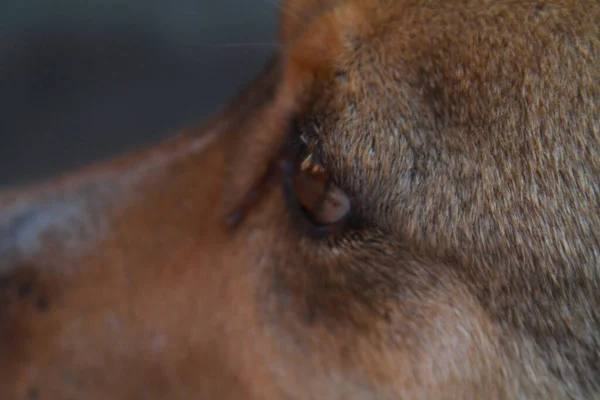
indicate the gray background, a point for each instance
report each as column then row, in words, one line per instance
column 83, row 80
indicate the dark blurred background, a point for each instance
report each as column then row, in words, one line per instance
column 83, row 80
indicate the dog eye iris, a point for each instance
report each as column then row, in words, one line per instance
column 326, row 203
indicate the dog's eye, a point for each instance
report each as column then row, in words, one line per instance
column 322, row 201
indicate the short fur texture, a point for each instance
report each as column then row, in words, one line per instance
column 467, row 136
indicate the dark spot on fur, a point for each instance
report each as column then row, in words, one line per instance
column 412, row 176
column 386, row 316
column 234, row 218
column 33, row 394
column 42, row 304
column 341, row 76
column 25, row 289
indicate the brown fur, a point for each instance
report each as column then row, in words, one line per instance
column 466, row 134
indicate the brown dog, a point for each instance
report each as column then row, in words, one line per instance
column 405, row 205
